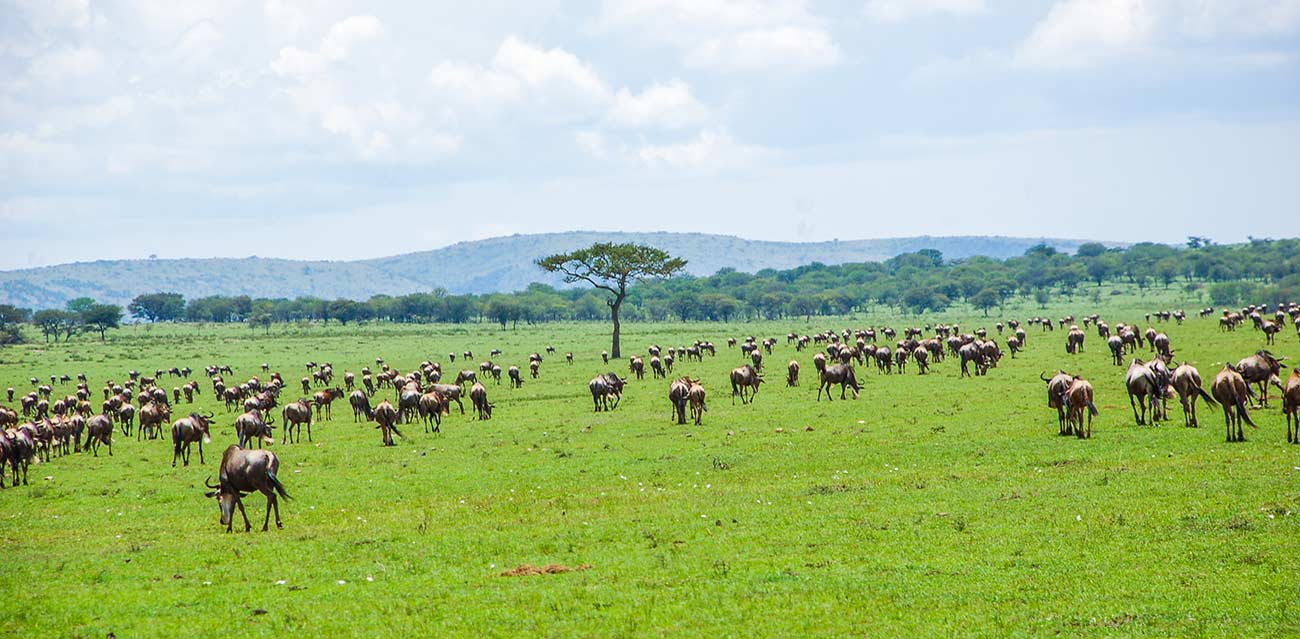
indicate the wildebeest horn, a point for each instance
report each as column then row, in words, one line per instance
column 1043, row 376
column 208, row 415
column 207, row 482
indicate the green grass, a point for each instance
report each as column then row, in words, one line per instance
column 931, row 506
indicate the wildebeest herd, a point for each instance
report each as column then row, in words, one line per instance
column 45, row 425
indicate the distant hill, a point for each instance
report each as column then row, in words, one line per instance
column 498, row 264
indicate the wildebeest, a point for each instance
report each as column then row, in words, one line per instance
column 152, row 417
column 971, row 352
column 679, row 392
column 478, row 396
column 323, row 400
column 841, row 374
column 742, row 379
column 698, row 407
column 386, row 418
column 431, row 407
column 1057, row 386
column 1262, row 368
column 466, row 376
column 360, row 403
column 251, row 427
column 295, row 414
column 186, row 431
column 602, row 386
column 1291, row 406
column 657, row 367
column 1078, row 398
column 1187, row 383
column 1146, row 387
column 516, row 380
column 243, row 472
column 636, row 366
column 792, row 374
column 1231, row 391
column 99, row 429
column 1074, row 340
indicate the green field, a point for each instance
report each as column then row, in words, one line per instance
column 931, row 506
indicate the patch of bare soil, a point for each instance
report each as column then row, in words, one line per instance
column 526, row 569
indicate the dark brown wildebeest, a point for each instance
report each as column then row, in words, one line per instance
column 568, row 357
column 1262, row 368
column 1056, row 389
column 1231, row 391
column 516, row 380
column 1074, row 340
column 1146, row 386
column 408, row 403
column 478, row 397
column 742, row 379
column 126, row 417
column 534, row 365
column 323, row 400
column 1116, row 346
column 657, row 367
column 792, row 374
column 841, row 374
column 1013, row 345
column 466, row 376
column 971, row 352
column 386, row 418
column 1078, row 398
column 431, row 407
column 250, row 427
column 99, row 430
column 1160, row 343
column 679, row 392
column 757, row 358
column 636, row 367
column 884, row 360
column 152, row 417
column 698, row 407
column 1291, row 406
column 602, row 386
column 243, row 472
column 360, row 405
column 1187, row 383
column 450, row 393
column 496, row 373
column 295, row 414
column 186, row 431
column 922, row 358
column 349, row 380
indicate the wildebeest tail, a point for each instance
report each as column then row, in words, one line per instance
column 1092, row 409
column 1206, row 396
column 275, row 483
column 1243, row 413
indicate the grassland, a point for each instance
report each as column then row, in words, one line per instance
column 932, row 506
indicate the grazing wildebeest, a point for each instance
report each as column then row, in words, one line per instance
column 757, row 358
column 679, row 392
column 242, row 472
column 466, row 376
column 360, row 403
column 841, row 374
column 1078, row 397
column 431, row 407
column 20, row 448
column 99, row 429
column 386, row 418
column 533, row 366
column 636, row 366
column 250, row 427
column 657, row 367
column 408, row 403
column 152, row 417
column 568, row 357
column 884, row 360
column 698, row 407
column 1116, row 346
column 1231, row 391
column 126, row 417
column 1056, row 389
column 1146, row 387
column 1187, row 383
column 1160, row 343
column 516, row 380
column 1262, row 368
column 922, row 357
column 742, row 379
column 602, row 386
column 295, row 414
column 496, row 373
column 604, row 356
column 792, row 374
column 478, row 396
column 450, row 393
column 323, row 400
column 972, row 352
column 1291, row 406
column 186, row 431
column 1074, row 340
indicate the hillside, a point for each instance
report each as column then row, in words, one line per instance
column 483, row 266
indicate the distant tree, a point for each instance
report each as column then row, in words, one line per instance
column 1090, row 249
column 504, row 309
column 50, row 322
column 1167, row 270
column 986, row 299
column 262, row 320
column 1194, row 242
column 11, row 320
column 1042, row 296
column 345, row 311
column 80, row 304
column 102, row 317
column 611, row 267
column 158, row 307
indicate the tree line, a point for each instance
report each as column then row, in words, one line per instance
column 1258, row 271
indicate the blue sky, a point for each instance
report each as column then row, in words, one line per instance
column 340, row 130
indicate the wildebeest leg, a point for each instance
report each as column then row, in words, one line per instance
column 266, row 522
column 275, row 503
column 240, row 502
column 110, row 447
column 308, row 431
column 201, row 462
column 1133, row 404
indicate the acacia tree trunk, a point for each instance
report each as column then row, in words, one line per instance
column 613, row 315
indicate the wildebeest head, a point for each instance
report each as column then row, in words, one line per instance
column 225, row 500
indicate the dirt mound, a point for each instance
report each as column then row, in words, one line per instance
column 527, row 569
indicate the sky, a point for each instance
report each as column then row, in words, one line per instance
column 342, row 130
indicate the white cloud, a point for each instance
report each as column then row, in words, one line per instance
column 555, row 67
column 901, row 10
column 284, row 18
column 65, row 63
column 710, row 150
column 790, row 48
column 348, row 33
column 728, row 35
column 1084, row 33
column 668, row 106
column 593, row 142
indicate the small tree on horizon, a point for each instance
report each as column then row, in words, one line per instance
column 611, row 268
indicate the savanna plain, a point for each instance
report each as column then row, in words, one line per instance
column 931, row 506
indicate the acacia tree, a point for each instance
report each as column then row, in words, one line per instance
column 611, row 268
column 102, row 317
